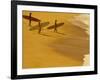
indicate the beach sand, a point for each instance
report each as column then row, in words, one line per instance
column 65, row 48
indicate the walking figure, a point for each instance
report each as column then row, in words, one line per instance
column 39, row 28
column 55, row 27
column 30, row 19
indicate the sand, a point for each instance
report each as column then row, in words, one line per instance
column 65, row 48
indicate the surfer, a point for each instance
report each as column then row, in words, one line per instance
column 30, row 19
column 39, row 28
column 55, row 27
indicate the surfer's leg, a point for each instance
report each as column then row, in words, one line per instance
column 30, row 19
column 39, row 28
column 55, row 29
column 30, row 22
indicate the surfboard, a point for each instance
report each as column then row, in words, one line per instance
column 44, row 24
column 58, row 25
column 32, row 18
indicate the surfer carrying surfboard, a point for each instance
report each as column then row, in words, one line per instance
column 39, row 28
column 55, row 27
column 30, row 19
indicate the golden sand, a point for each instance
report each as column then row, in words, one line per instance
column 49, row 49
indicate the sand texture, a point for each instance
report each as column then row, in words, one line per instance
column 66, row 47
